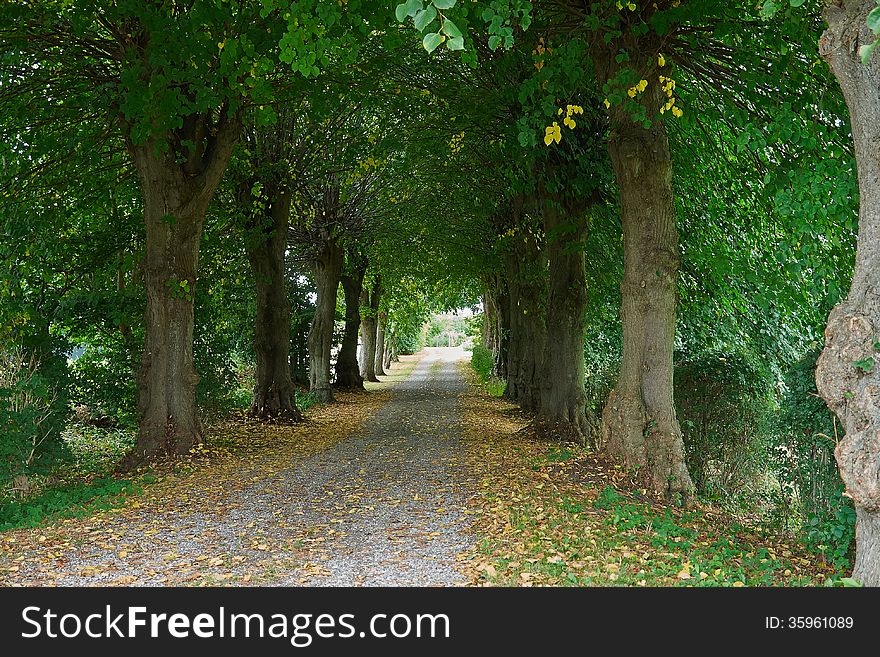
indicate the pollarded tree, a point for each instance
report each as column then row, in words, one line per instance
column 371, row 295
column 846, row 375
column 348, row 374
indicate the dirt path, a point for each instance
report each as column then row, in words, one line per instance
column 337, row 501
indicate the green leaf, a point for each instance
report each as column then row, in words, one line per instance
column 769, row 9
column 455, row 43
column 431, row 41
column 866, row 51
column 494, row 42
column 413, row 7
column 451, row 29
column 444, row 4
column 425, row 17
column 796, row 3
column 874, row 20
column 850, row 582
column 400, row 12
column 865, row 365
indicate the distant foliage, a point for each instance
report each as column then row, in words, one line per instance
column 409, row 342
column 805, row 437
column 105, row 381
column 724, row 404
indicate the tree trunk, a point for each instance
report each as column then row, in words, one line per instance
column 388, row 351
column 273, row 386
column 328, row 270
column 562, row 411
column 370, row 305
column 502, row 317
column 640, row 428
column 854, row 325
column 526, row 267
column 177, row 193
column 348, row 375
column 380, row 343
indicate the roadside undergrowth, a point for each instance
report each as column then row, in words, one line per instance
column 550, row 514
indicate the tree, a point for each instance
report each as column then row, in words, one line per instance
column 846, row 376
column 348, row 374
column 370, row 298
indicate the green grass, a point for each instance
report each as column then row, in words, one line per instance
column 80, row 484
column 68, row 501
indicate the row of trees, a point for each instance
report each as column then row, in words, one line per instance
column 528, row 153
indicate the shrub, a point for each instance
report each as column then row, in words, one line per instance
column 724, row 404
column 32, row 414
column 483, row 363
column 105, row 380
column 804, row 436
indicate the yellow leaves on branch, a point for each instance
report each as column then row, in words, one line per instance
column 539, row 51
column 553, row 133
column 632, row 92
column 629, row 5
column 668, row 87
column 455, row 142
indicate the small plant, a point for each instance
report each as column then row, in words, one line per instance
column 866, row 365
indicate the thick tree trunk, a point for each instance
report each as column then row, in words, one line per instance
column 562, row 411
column 489, row 335
column 640, row 428
column 380, row 343
column 273, row 386
column 854, row 325
column 348, row 375
column 176, row 197
column 369, row 328
column 388, row 351
column 328, row 270
column 527, row 282
column 368, row 348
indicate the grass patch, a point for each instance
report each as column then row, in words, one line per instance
column 79, row 485
column 68, row 501
column 397, row 372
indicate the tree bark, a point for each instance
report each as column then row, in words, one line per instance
column 502, row 317
column 562, row 410
column 388, row 351
column 854, row 325
column 273, row 387
column 348, row 375
column 177, row 191
column 380, row 343
column 640, row 428
column 527, row 283
column 370, row 306
column 328, row 271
